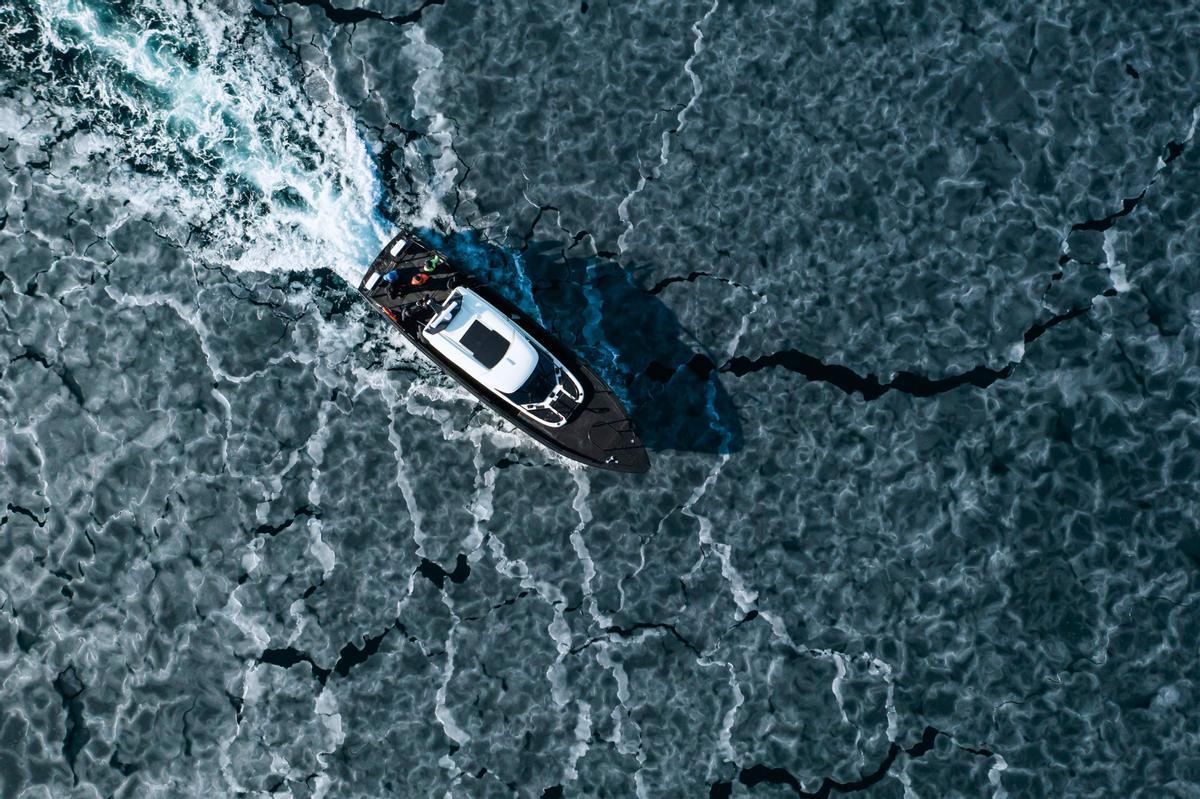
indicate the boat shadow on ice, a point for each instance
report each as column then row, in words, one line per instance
column 624, row 332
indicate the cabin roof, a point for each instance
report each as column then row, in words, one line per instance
column 485, row 344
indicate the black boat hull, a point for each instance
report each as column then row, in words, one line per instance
column 599, row 433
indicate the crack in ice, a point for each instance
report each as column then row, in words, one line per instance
column 680, row 120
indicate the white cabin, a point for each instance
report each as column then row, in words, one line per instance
column 482, row 342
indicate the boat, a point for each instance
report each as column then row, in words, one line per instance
column 500, row 355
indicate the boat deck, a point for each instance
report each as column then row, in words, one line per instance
column 600, row 433
column 414, row 304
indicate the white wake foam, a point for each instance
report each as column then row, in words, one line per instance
column 197, row 122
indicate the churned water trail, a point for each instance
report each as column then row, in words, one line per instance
column 196, row 122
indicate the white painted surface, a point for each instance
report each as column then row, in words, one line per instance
column 513, row 369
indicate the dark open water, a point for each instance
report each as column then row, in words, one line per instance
column 905, row 300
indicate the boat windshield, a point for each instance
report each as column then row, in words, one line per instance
column 538, row 385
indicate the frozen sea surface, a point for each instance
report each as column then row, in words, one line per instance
column 905, row 300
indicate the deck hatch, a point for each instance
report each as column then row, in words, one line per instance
column 485, row 344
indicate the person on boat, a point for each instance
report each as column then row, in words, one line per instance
column 420, row 311
column 392, row 279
